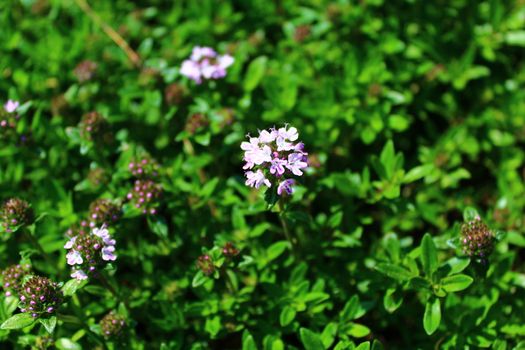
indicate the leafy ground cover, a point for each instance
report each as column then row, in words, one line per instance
column 262, row 174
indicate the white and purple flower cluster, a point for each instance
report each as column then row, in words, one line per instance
column 205, row 64
column 274, row 156
column 89, row 251
column 10, row 106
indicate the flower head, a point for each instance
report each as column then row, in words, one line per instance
column 40, row 296
column 205, row 264
column 85, row 70
column 16, row 212
column 112, row 325
column 273, row 157
column 11, row 106
column 229, row 250
column 104, row 211
column 205, row 64
column 87, row 252
column 144, row 167
column 12, row 277
column 94, row 127
column 145, row 195
column 477, row 239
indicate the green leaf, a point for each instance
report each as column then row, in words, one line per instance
column 311, row 340
column 418, row 172
column 350, row 310
column 49, row 323
column 392, row 300
column 456, row 283
column 376, row 345
column 470, row 214
column 18, row 321
column 432, row 316
column 71, row 286
column 255, row 73
column 428, row 255
column 357, row 330
column 67, row 344
column 364, row 346
column 394, row 271
column 287, row 315
column 248, row 343
column 276, row 249
column 158, row 225
column 272, row 342
column 328, row 335
column 199, row 279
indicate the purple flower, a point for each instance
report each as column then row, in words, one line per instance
column 257, row 179
column 90, row 250
column 205, row 63
column 296, row 163
column 79, row 275
column 11, row 106
column 273, row 154
column 286, row 186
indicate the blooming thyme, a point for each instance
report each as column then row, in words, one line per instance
column 229, row 250
column 205, row 264
column 272, row 157
column 85, row 70
column 103, row 211
column 94, row 126
column 12, row 277
column 477, row 239
column 112, row 325
column 8, row 119
column 144, row 167
column 88, row 252
column 145, row 195
column 40, row 296
column 205, row 63
column 16, row 212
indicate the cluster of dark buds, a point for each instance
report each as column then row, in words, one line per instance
column 145, row 195
column 174, row 94
column 16, row 212
column 40, row 296
column 104, row 211
column 78, row 229
column 195, row 122
column 205, row 264
column 94, row 127
column 88, row 252
column 85, row 70
column 112, row 325
column 477, row 239
column 144, row 168
column 229, row 250
column 12, row 277
column 98, row 176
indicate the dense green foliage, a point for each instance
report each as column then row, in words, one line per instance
column 413, row 114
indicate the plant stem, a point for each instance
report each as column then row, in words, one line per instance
column 117, row 39
column 284, row 225
column 38, row 247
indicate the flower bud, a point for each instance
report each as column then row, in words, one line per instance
column 104, row 211
column 205, row 264
column 12, row 278
column 477, row 239
column 15, row 213
column 94, row 127
column 112, row 325
column 174, row 94
column 145, row 196
column 98, row 176
column 229, row 250
column 40, row 296
column 85, row 70
column 195, row 122
column 145, row 167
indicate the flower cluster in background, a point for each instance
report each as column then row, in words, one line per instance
column 12, row 277
column 89, row 251
column 112, row 325
column 104, row 212
column 8, row 119
column 273, row 158
column 145, row 196
column 40, row 296
column 16, row 212
column 205, row 64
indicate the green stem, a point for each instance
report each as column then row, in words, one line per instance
column 38, row 247
column 284, row 225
